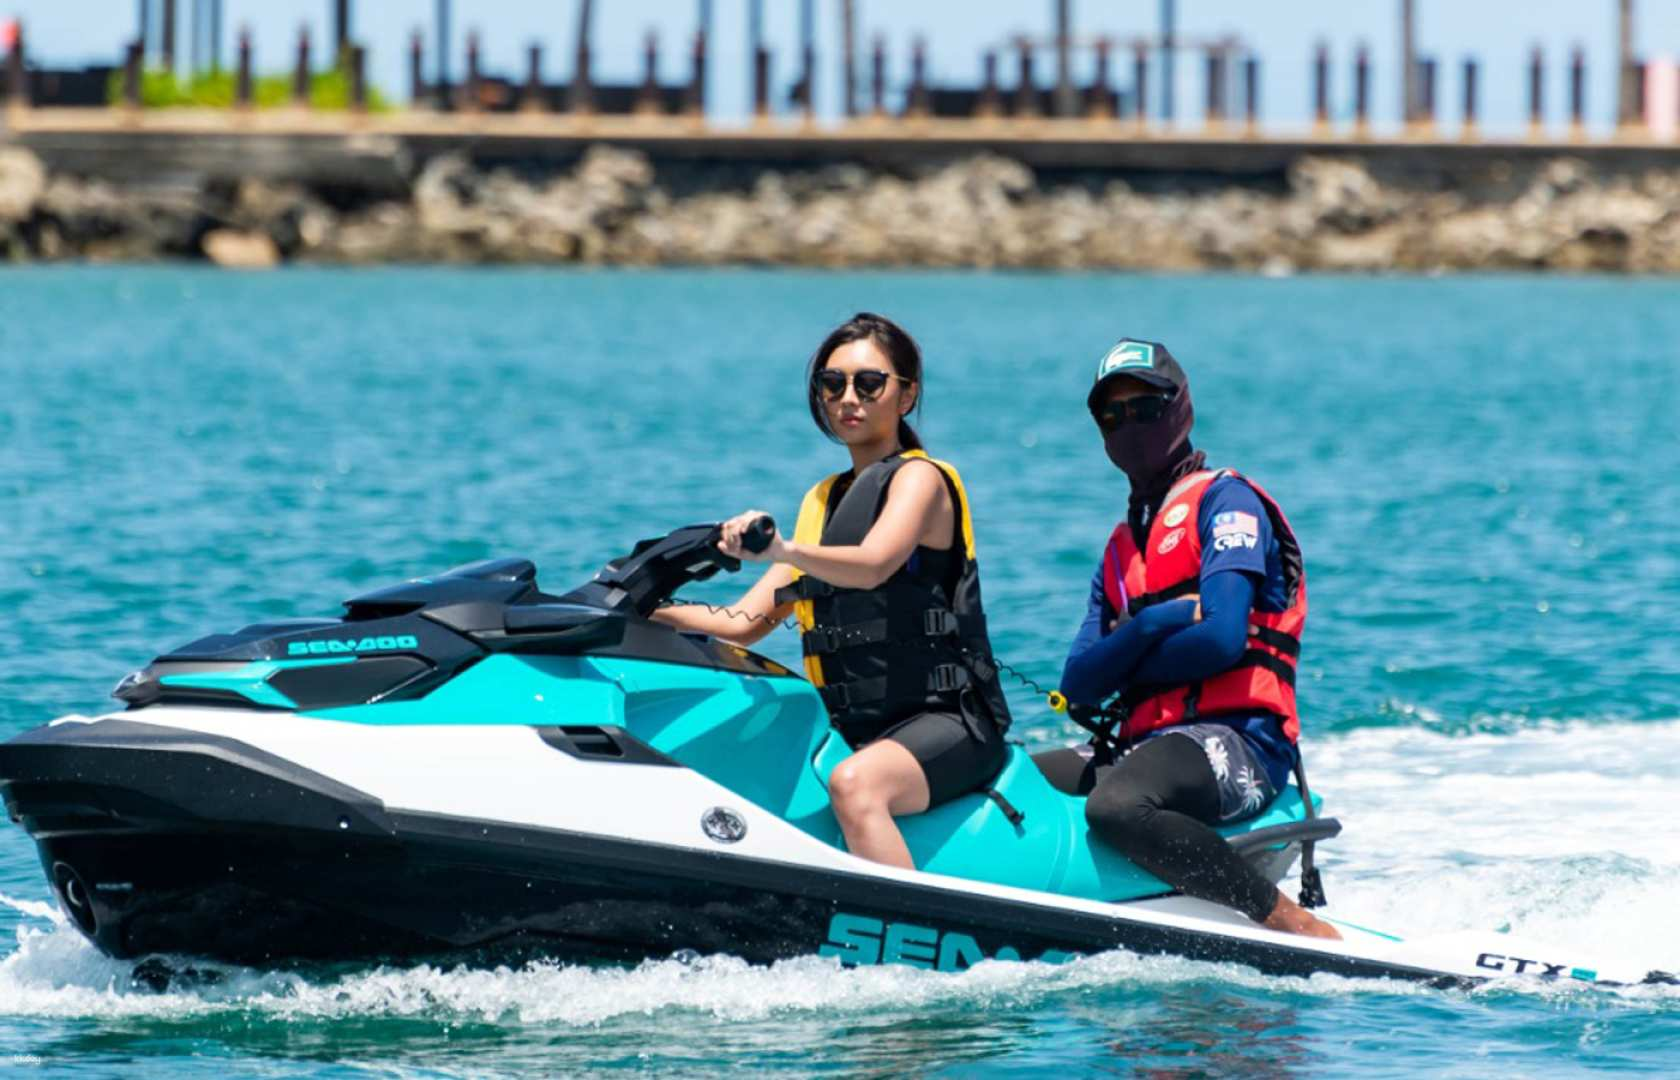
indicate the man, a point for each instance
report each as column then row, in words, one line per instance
column 1195, row 618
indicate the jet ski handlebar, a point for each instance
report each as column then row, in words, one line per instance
column 655, row 569
column 759, row 534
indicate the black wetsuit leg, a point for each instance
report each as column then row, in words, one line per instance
column 1154, row 807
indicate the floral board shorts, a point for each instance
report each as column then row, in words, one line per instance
column 1244, row 788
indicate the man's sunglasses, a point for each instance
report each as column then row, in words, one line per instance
column 1138, row 410
column 870, row 383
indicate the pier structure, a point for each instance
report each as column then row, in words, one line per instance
column 899, row 98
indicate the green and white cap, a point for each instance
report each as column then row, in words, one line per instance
column 1145, row 361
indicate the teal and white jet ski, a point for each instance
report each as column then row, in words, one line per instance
column 464, row 764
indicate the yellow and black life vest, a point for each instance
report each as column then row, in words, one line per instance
column 916, row 642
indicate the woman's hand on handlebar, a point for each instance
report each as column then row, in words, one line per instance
column 729, row 542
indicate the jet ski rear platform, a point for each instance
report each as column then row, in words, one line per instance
column 465, row 763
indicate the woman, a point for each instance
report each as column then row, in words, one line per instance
column 882, row 577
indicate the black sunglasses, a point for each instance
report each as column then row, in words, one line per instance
column 1138, row 410
column 869, row 382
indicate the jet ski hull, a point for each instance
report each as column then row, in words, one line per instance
column 165, row 841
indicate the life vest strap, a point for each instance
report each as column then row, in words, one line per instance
column 936, row 622
column 943, row 678
column 804, row 588
column 1187, row 587
column 1283, row 669
column 820, row 640
column 1288, row 644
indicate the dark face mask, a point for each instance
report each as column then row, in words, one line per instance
column 1150, row 453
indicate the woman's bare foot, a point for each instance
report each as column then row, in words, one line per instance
column 1292, row 918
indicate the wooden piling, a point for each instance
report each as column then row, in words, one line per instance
column 581, row 100
column 1362, row 93
column 1427, row 70
column 471, row 90
column 1578, row 94
column 1469, row 130
column 917, row 103
column 1140, row 85
column 989, row 104
column 441, row 13
column 532, row 100
column 1064, row 104
column 695, row 105
column 1100, row 104
column 1321, row 90
column 1214, row 66
column 243, row 88
column 132, row 63
column 1251, row 95
column 215, row 37
column 356, row 56
column 341, row 31
column 1537, row 94
column 848, row 62
column 1636, row 124
column 1026, row 92
column 1627, row 93
column 166, row 36
column 1409, row 95
column 878, row 77
column 761, row 82
column 416, row 69
column 301, row 70
column 648, row 102
column 805, row 94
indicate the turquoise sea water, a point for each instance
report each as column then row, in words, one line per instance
column 1482, row 472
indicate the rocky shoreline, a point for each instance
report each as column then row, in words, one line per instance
column 615, row 208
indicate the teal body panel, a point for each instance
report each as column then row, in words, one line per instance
column 251, row 680
column 768, row 740
column 754, row 735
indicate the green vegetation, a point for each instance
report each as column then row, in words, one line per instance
column 328, row 90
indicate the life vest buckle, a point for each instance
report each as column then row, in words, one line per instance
column 819, row 640
column 946, row 677
column 939, row 622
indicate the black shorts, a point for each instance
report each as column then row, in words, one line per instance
column 956, row 755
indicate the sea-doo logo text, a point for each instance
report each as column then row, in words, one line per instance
column 1518, row 966
column 858, row 939
column 723, row 825
column 333, row 646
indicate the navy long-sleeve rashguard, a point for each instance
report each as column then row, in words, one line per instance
column 1242, row 568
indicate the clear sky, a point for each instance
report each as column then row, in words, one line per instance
column 1282, row 32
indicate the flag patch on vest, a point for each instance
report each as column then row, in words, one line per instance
column 1235, row 529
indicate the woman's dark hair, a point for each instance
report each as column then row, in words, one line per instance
column 900, row 349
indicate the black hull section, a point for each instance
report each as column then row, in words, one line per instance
column 163, row 842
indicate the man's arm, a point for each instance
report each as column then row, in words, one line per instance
column 1101, row 664
column 1235, row 535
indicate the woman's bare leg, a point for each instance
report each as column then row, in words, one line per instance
column 869, row 789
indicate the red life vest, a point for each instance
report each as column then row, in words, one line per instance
column 1264, row 679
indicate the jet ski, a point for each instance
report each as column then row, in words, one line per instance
column 465, row 763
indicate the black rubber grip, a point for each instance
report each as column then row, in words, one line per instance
column 757, row 537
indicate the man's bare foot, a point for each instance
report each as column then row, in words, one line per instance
column 1292, row 918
